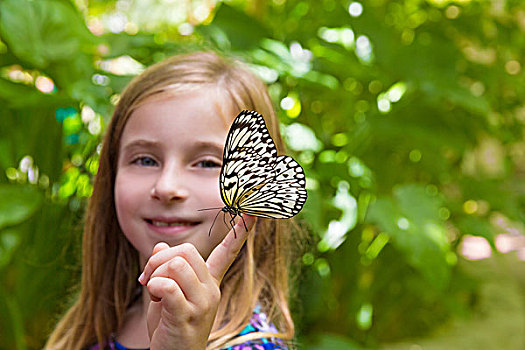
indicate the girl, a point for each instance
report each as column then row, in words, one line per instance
column 159, row 164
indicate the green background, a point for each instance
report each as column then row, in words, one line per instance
column 407, row 115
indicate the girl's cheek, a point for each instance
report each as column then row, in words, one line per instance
column 208, row 190
column 130, row 190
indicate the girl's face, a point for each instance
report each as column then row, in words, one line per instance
column 169, row 163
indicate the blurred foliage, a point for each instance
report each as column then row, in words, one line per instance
column 407, row 116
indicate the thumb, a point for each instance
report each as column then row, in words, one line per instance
column 153, row 316
column 225, row 253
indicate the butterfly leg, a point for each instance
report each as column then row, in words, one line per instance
column 232, row 223
column 232, row 217
column 224, row 218
column 244, row 222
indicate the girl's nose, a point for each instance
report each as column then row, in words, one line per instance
column 169, row 187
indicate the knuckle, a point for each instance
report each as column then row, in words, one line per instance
column 209, row 300
column 186, row 246
column 187, row 249
column 215, row 295
column 170, row 287
column 177, row 264
column 155, row 260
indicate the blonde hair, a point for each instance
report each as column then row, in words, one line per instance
column 259, row 275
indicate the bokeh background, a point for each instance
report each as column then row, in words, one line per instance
column 407, row 115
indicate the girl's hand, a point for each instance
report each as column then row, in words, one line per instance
column 185, row 292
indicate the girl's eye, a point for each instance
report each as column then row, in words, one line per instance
column 145, row 161
column 208, row 164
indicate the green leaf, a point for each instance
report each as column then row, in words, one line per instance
column 12, row 322
column 234, row 28
column 411, row 217
column 41, row 32
column 334, row 342
column 477, row 226
column 17, row 204
column 9, row 241
column 419, row 206
column 18, row 96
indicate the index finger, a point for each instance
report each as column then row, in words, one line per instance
column 225, row 253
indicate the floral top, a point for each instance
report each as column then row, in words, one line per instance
column 258, row 323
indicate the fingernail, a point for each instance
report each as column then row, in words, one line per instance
column 141, row 278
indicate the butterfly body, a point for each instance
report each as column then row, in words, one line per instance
column 254, row 180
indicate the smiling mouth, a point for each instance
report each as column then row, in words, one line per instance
column 170, row 224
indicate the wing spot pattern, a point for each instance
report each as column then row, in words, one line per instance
column 254, row 179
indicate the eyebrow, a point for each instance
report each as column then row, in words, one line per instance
column 206, row 145
column 140, row 143
column 198, row 145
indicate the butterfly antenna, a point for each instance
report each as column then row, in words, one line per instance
column 209, row 233
column 208, row 209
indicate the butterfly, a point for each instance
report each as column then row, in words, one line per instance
column 254, row 180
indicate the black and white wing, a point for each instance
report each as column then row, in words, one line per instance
column 254, row 180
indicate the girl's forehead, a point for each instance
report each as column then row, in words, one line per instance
column 223, row 104
column 192, row 116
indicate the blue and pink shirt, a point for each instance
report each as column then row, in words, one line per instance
column 258, row 323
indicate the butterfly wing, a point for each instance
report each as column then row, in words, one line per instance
column 281, row 195
column 253, row 178
column 248, row 156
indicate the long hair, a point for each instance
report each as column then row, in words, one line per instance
column 110, row 264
